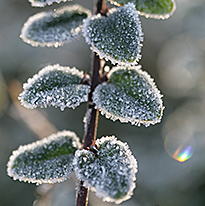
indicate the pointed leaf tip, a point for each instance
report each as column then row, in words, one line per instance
column 54, row 28
column 111, row 173
column 56, row 86
column 49, row 160
column 160, row 9
column 117, row 37
column 130, row 96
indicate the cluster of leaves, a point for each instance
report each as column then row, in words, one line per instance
column 110, row 172
column 128, row 94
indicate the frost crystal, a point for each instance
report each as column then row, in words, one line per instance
column 160, row 9
column 117, row 37
column 111, row 173
column 49, row 160
column 42, row 3
column 130, row 96
column 54, row 28
column 56, row 86
column 86, row 120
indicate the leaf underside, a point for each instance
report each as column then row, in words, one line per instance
column 158, row 9
column 111, row 173
column 130, row 96
column 54, row 28
column 117, row 37
column 49, row 160
column 55, row 86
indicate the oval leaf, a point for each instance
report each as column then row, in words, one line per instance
column 157, row 9
column 111, row 173
column 54, row 28
column 55, row 86
column 117, row 37
column 130, row 96
column 49, row 160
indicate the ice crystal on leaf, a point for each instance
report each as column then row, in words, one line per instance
column 49, row 160
column 116, row 37
column 55, row 86
column 42, row 3
column 54, row 28
column 130, row 95
column 111, row 173
column 160, row 9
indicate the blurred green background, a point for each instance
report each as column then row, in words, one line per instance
column 173, row 54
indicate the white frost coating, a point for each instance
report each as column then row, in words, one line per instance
column 56, row 86
column 118, row 37
column 154, row 16
column 48, row 170
column 49, row 29
column 136, row 100
column 111, row 173
column 86, row 119
column 43, row 3
column 157, row 16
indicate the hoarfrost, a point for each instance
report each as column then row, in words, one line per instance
column 151, row 8
column 54, row 28
column 130, row 96
column 42, row 3
column 111, row 173
column 117, row 37
column 55, row 86
column 86, row 119
column 49, row 160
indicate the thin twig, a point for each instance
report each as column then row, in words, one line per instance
column 92, row 121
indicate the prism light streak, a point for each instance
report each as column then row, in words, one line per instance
column 182, row 155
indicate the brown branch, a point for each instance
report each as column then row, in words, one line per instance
column 91, row 124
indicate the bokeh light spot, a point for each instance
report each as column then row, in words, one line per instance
column 180, row 145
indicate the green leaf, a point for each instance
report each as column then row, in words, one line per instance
column 130, row 96
column 117, row 37
column 55, row 86
column 111, row 173
column 42, row 3
column 158, row 9
column 54, row 28
column 49, row 160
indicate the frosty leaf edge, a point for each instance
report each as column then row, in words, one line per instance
column 132, row 57
column 46, row 166
column 112, row 87
column 54, row 39
column 43, row 3
column 74, row 92
column 149, row 14
column 110, row 151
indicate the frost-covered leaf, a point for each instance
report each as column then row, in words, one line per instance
column 117, row 37
column 130, row 95
column 42, row 3
column 55, row 86
column 158, row 9
column 111, row 173
column 54, row 28
column 49, row 160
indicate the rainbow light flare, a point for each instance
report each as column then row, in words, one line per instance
column 180, row 145
column 182, row 155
